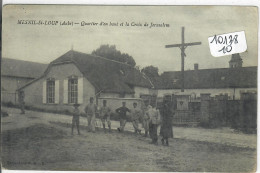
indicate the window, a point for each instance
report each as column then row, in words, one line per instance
column 193, row 96
column 73, row 90
column 50, row 91
column 174, row 81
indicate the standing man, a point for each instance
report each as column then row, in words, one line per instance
column 105, row 112
column 75, row 118
column 153, row 124
column 21, row 101
column 135, row 115
column 90, row 110
column 122, row 114
column 146, row 120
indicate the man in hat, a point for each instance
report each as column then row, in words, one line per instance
column 105, row 112
column 91, row 110
column 122, row 114
column 75, row 118
column 135, row 115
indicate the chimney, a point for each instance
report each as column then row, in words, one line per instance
column 196, row 66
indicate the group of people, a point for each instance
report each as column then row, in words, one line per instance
column 150, row 117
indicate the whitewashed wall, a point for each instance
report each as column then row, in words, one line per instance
column 35, row 91
column 140, row 90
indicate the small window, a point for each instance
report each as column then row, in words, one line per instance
column 50, row 91
column 73, row 90
column 174, row 81
column 193, row 96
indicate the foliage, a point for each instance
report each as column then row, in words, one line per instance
column 151, row 71
column 4, row 114
column 110, row 52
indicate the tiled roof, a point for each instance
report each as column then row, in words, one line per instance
column 106, row 75
column 243, row 77
column 19, row 68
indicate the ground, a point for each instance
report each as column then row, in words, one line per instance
column 42, row 141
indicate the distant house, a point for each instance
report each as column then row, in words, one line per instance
column 75, row 77
column 220, row 81
column 15, row 74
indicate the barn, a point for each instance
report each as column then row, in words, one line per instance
column 75, row 77
column 15, row 74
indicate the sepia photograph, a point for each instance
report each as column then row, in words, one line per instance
column 136, row 88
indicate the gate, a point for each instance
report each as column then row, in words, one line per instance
column 186, row 111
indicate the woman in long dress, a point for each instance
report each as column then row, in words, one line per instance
column 166, row 122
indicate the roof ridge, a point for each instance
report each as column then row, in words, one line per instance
column 103, row 58
column 24, row 61
column 210, row 69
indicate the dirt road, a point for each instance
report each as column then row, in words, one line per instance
column 43, row 141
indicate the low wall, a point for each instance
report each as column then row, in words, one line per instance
column 115, row 103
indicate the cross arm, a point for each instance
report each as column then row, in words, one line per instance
column 173, row 45
column 184, row 45
column 192, row 44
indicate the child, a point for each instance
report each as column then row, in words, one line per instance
column 75, row 119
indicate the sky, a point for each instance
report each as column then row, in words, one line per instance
column 44, row 43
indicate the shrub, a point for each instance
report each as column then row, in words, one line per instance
column 67, row 112
column 9, row 104
column 4, row 114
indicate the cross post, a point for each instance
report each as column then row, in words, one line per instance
column 182, row 46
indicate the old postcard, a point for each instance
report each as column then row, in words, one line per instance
column 129, row 88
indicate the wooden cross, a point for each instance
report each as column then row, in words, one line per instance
column 182, row 46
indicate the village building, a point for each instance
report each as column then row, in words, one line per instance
column 75, row 77
column 15, row 74
column 220, row 81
